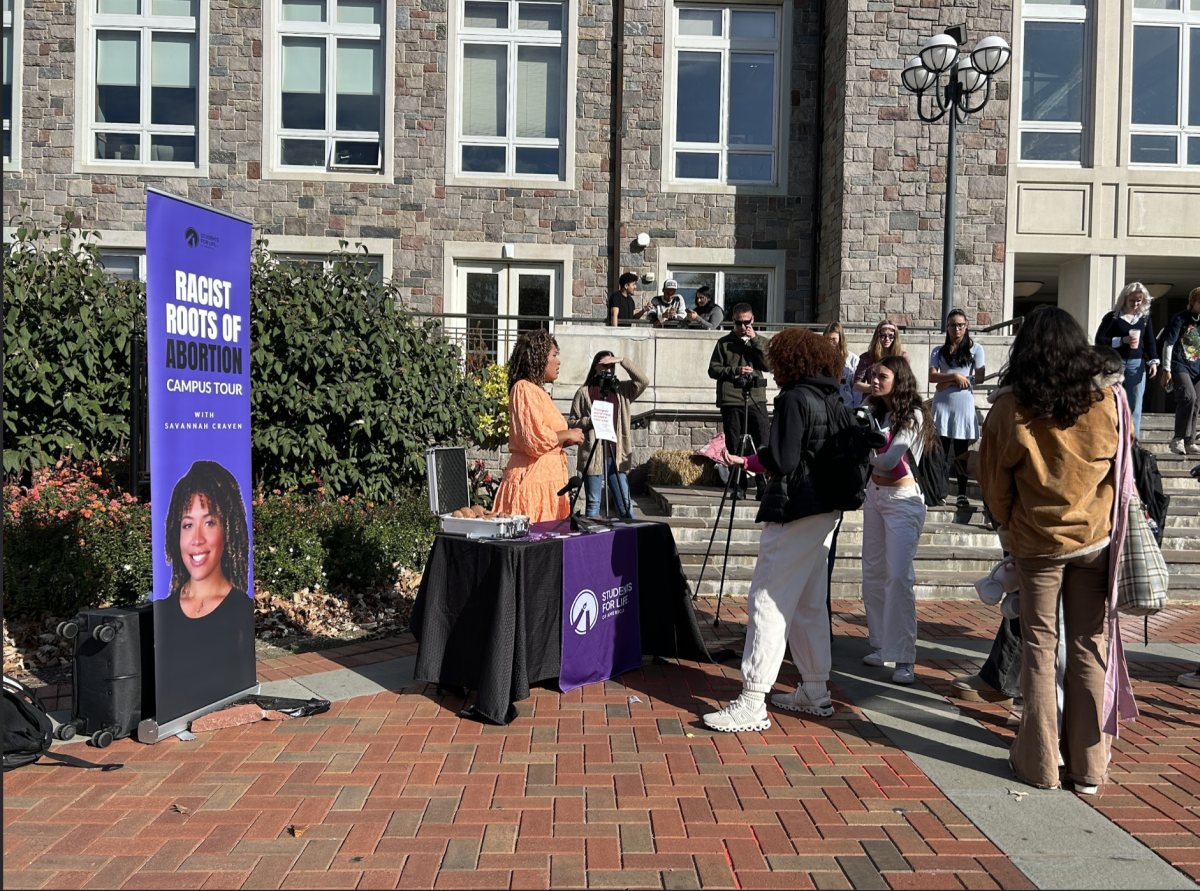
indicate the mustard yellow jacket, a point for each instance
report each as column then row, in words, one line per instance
column 1051, row 487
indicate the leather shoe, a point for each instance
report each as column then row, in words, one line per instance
column 973, row 688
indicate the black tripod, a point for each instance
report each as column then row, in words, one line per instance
column 577, row 484
column 732, row 483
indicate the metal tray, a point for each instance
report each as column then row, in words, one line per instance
column 506, row 527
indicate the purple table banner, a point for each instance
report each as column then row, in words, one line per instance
column 198, row 345
column 601, row 625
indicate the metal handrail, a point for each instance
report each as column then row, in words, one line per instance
column 1015, row 322
column 639, row 323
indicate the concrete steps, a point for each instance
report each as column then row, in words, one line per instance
column 955, row 549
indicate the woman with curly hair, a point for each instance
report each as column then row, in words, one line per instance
column 1048, row 461
column 787, row 600
column 537, row 434
column 884, row 342
column 893, row 517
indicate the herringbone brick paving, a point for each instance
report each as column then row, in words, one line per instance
column 584, row 789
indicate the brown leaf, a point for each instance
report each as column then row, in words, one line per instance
column 298, row 829
column 179, row 809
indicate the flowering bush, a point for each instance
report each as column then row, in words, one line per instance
column 483, row 487
column 493, row 421
column 73, row 541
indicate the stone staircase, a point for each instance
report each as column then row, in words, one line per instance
column 955, row 550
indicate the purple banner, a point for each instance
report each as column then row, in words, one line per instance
column 601, row 628
column 198, row 344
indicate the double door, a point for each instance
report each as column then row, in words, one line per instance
column 501, row 301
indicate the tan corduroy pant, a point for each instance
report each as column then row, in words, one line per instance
column 1084, row 586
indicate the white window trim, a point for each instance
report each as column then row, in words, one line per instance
column 454, row 110
column 272, row 76
column 782, row 110
column 691, row 258
column 320, row 245
column 1183, row 20
column 17, row 24
column 561, row 256
column 1038, row 12
column 85, row 99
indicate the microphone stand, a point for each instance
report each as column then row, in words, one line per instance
column 575, row 496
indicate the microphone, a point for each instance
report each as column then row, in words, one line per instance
column 572, row 484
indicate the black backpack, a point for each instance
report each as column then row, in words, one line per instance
column 840, row 467
column 932, row 473
column 28, row 730
column 1150, row 488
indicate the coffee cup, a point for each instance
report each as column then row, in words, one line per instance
column 1135, row 336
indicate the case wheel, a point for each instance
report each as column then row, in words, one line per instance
column 68, row 629
column 104, row 633
column 102, row 739
column 65, row 732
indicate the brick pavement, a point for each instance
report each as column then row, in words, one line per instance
column 585, row 788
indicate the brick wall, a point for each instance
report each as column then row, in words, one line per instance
column 882, row 235
column 418, row 211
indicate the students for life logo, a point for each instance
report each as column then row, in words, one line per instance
column 585, row 610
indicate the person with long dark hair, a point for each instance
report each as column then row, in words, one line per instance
column 1048, row 470
column 537, row 434
column 786, row 604
column 1181, row 360
column 619, row 462
column 893, row 517
column 956, row 367
column 207, row 539
column 1129, row 331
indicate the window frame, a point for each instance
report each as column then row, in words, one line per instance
column 719, row 271
column 457, row 36
column 274, row 30
column 674, row 45
column 1185, row 21
column 14, row 20
column 88, row 23
column 1031, row 11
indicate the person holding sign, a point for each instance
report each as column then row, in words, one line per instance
column 601, row 409
column 537, row 434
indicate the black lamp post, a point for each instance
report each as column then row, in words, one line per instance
column 968, row 75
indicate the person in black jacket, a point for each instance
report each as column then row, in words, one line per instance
column 787, row 596
column 1129, row 331
column 740, row 353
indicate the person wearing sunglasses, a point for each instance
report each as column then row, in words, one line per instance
column 884, row 342
column 742, row 352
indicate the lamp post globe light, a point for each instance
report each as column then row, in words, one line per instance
column 956, row 97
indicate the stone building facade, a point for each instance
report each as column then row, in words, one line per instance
column 857, row 178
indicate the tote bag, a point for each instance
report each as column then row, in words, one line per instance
column 1142, row 573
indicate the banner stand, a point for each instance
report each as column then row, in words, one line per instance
column 150, row 731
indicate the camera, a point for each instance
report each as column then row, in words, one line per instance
column 607, row 381
column 748, row 381
column 866, row 419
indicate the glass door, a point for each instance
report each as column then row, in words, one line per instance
column 491, row 295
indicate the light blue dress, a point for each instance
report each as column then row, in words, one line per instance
column 954, row 413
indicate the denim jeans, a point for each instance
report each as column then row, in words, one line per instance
column 618, row 493
column 1135, row 386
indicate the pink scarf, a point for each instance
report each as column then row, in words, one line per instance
column 1119, row 703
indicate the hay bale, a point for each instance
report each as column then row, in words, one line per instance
column 679, row 467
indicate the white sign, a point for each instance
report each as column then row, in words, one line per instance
column 602, row 421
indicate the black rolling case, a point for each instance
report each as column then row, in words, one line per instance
column 112, row 685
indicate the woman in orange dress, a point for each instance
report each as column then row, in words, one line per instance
column 537, row 434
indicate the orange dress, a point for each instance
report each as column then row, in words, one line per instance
column 537, row 466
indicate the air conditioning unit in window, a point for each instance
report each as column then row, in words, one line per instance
column 359, row 157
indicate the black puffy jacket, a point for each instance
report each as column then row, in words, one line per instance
column 799, row 429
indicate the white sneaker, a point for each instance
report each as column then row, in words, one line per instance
column 904, row 673
column 875, row 660
column 1190, row 679
column 741, row 714
column 1177, row 447
column 1193, row 448
column 799, row 701
column 1085, row 789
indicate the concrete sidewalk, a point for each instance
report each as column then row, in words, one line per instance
column 619, row 785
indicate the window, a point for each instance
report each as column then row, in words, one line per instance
column 730, row 286
column 487, row 293
column 725, row 121
column 124, row 265
column 1054, row 62
column 12, row 52
column 1165, row 108
column 144, row 90
column 330, row 108
column 512, row 90
column 326, row 262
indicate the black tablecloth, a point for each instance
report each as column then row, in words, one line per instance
column 488, row 615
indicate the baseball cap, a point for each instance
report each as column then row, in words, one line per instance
column 672, row 284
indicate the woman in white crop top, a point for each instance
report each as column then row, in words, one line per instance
column 893, row 517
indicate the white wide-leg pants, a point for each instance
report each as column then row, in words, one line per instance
column 893, row 517
column 787, row 602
